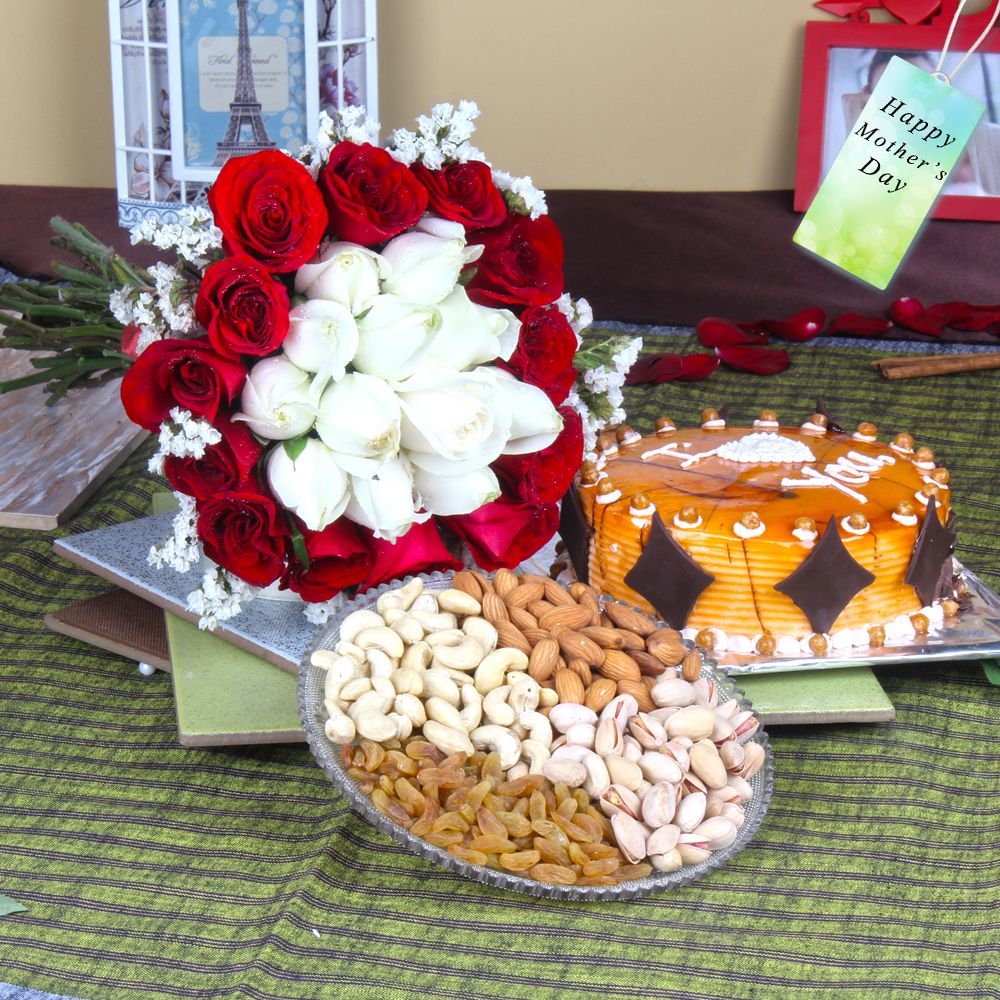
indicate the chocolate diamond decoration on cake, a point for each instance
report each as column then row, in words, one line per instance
column 826, row 580
column 574, row 532
column 931, row 559
column 831, row 423
column 667, row 576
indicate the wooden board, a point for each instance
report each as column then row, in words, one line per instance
column 119, row 622
column 52, row 458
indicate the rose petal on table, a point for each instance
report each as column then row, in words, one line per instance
column 758, row 360
column 715, row 332
column 977, row 318
column 671, row 368
column 910, row 313
column 859, row 324
column 803, row 325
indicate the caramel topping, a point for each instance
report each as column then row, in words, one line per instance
column 640, row 501
column 904, row 441
column 644, row 533
column 904, row 508
column 709, row 414
column 605, row 486
column 858, row 521
column 867, row 429
column 921, row 623
column 766, row 644
column 588, row 474
column 705, row 640
column 623, row 432
column 751, row 520
column 923, row 454
column 819, row 420
column 949, row 607
column 805, row 524
column 818, row 644
column 665, row 424
column 689, row 514
column 768, row 415
column 876, row 635
column 941, row 475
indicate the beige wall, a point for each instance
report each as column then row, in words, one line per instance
column 633, row 94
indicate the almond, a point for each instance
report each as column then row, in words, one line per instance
column 582, row 670
column 691, row 665
column 485, row 584
column 468, row 584
column 569, row 687
column 524, row 595
column 521, row 618
column 538, row 608
column 619, row 666
column 579, row 646
column 573, row 617
column 578, row 590
column 629, row 618
column 640, row 692
column 648, row 664
column 556, row 594
column 533, row 578
column 511, row 635
column 504, row 582
column 544, row 659
column 536, row 635
column 613, row 638
column 666, row 645
column 600, row 693
column 494, row 609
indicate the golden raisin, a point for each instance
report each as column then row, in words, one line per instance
column 818, row 644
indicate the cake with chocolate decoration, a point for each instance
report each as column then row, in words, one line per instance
column 787, row 540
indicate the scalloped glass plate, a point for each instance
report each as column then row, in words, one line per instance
column 313, row 715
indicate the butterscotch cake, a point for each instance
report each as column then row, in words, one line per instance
column 769, row 539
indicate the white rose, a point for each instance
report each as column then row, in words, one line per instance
column 359, row 420
column 471, row 334
column 426, row 260
column 322, row 338
column 448, row 495
column 385, row 502
column 534, row 421
column 277, row 401
column 452, row 424
column 344, row 273
column 313, row 486
column 395, row 336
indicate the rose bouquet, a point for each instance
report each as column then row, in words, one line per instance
column 362, row 366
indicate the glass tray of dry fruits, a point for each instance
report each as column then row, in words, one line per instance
column 532, row 737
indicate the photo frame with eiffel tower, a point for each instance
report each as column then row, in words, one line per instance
column 198, row 81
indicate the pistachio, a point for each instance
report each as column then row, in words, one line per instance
column 718, row 831
column 691, row 811
column 706, row 763
column 630, row 835
column 663, row 840
column 659, row 804
column 696, row 722
column 676, row 693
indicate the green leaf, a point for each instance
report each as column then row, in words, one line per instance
column 992, row 670
column 362, row 315
column 296, row 446
column 299, row 544
column 8, row 905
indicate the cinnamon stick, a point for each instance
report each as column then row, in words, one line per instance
column 941, row 364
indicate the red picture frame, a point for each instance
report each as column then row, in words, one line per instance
column 825, row 45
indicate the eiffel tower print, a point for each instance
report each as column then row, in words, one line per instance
column 244, row 111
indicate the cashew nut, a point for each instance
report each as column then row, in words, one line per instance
column 408, row 681
column 439, row 685
column 401, row 598
column 567, row 714
column 466, row 655
column 342, row 670
column 535, row 753
column 446, row 637
column 539, row 728
column 519, row 770
column 339, row 728
column 376, row 726
column 323, row 658
column 548, row 698
column 410, row 706
column 379, row 665
column 404, row 726
column 349, row 649
column 408, row 628
column 447, row 739
column 381, row 638
column 458, row 602
column 500, row 740
column 417, row 657
column 434, row 621
column 442, row 711
column 393, row 615
column 495, row 706
column 523, row 695
column 425, row 602
column 490, row 672
column 472, row 710
column 354, row 689
column 356, row 622
column 481, row 629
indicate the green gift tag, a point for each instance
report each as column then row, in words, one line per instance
column 887, row 176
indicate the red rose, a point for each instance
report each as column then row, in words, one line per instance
column 269, row 208
column 369, row 195
column 243, row 308
column 244, row 532
column 545, row 476
column 504, row 533
column 185, row 373
column 420, row 550
column 338, row 558
column 521, row 263
column 225, row 466
column 464, row 192
column 130, row 341
column 545, row 350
